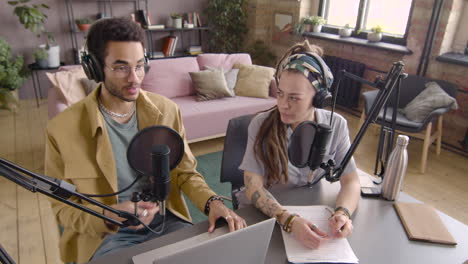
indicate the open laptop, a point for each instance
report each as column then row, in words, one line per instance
column 247, row 246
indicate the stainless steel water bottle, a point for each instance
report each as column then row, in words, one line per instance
column 396, row 169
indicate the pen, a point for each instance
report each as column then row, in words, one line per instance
column 331, row 212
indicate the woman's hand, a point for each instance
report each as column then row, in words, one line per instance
column 340, row 225
column 307, row 233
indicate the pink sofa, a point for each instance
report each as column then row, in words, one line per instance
column 202, row 119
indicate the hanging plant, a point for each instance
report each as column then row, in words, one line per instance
column 228, row 25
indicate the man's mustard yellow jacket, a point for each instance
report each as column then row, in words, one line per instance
column 78, row 150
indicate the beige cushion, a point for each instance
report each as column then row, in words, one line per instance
column 431, row 98
column 68, row 84
column 210, row 85
column 253, row 80
column 230, row 76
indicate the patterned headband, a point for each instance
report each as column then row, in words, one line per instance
column 309, row 65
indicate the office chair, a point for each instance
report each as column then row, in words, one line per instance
column 410, row 88
column 233, row 153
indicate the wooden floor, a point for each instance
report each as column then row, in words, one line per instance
column 29, row 232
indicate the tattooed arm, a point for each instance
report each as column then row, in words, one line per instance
column 261, row 197
column 303, row 230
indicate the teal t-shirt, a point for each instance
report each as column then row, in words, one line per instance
column 120, row 136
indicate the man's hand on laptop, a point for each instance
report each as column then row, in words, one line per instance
column 145, row 210
column 217, row 210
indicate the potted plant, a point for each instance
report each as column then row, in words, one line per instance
column 317, row 23
column 375, row 35
column 53, row 50
column 31, row 16
column 83, row 23
column 305, row 24
column 41, row 57
column 176, row 20
column 12, row 76
column 346, row 31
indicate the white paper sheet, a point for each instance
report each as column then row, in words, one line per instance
column 333, row 250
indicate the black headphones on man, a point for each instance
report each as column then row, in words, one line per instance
column 93, row 68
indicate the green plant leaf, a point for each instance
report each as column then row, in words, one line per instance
column 13, row 2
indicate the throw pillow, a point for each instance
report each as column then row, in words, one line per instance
column 210, row 85
column 68, row 84
column 253, row 80
column 88, row 85
column 431, row 98
column 230, row 76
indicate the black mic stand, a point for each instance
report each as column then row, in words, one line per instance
column 393, row 79
column 61, row 191
column 4, row 257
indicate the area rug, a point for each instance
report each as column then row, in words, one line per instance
column 209, row 166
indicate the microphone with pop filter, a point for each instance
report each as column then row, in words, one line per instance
column 308, row 144
column 153, row 152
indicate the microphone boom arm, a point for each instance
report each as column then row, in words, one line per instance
column 386, row 87
column 61, row 191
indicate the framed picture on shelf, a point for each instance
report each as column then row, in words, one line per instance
column 282, row 26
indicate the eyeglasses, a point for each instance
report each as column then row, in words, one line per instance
column 123, row 71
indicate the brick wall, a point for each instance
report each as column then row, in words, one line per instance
column 456, row 122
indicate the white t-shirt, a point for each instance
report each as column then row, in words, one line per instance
column 336, row 149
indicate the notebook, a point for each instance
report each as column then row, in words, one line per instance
column 422, row 223
column 247, row 246
column 332, row 251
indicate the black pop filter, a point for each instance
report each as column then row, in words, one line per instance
column 301, row 143
column 140, row 148
column 308, row 144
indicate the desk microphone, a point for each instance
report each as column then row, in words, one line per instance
column 308, row 144
column 154, row 152
column 160, row 178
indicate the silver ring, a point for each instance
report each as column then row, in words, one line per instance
column 314, row 227
column 144, row 213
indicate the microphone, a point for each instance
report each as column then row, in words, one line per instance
column 308, row 144
column 160, row 177
column 319, row 147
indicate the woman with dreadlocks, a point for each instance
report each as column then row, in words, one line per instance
column 303, row 81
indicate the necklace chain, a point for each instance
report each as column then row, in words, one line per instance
column 114, row 114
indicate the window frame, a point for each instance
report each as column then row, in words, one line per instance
column 362, row 12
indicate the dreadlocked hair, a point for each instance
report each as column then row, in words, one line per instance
column 297, row 48
column 270, row 147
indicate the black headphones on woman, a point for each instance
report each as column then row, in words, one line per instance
column 323, row 97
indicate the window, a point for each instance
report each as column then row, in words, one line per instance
column 393, row 16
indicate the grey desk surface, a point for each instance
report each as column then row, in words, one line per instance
column 378, row 235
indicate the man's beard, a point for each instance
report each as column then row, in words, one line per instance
column 116, row 92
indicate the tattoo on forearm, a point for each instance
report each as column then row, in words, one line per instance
column 265, row 201
column 255, row 197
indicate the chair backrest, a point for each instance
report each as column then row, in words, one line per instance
column 413, row 85
column 233, row 153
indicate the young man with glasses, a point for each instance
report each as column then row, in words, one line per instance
column 86, row 146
